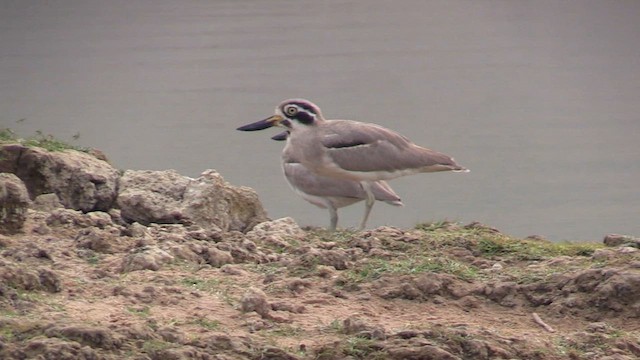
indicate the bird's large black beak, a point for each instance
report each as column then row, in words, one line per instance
column 280, row 137
column 262, row 124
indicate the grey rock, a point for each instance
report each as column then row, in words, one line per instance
column 9, row 156
column 46, row 202
column 100, row 240
column 255, row 300
column 217, row 257
column 58, row 348
column 146, row 258
column 137, row 230
column 614, row 239
column 354, row 325
column 148, row 196
column 209, row 199
column 166, row 197
column 94, row 336
column 605, row 254
column 99, row 219
column 81, row 181
column 276, row 230
column 62, row 217
column 619, row 240
column 14, row 203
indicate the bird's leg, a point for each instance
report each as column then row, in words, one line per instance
column 369, row 201
column 333, row 215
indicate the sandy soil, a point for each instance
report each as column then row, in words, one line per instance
column 77, row 286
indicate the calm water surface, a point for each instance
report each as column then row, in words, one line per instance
column 538, row 98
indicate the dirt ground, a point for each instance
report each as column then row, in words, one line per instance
column 89, row 286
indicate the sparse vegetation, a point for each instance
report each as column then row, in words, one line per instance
column 153, row 346
column 489, row 242
column 376, row 268
column 40, row 139
column 287, row 331
column 363, row 348
column 208, row 285
column 143, row 311
column 213, row 286
column 208, row 324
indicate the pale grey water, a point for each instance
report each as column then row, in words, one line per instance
column 539, row 98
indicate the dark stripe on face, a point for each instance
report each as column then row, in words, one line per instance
column 304, row 117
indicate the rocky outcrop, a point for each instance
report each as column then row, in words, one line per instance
column 276, row 231
column 14, row 201
column 208, row 201
column 148, row 196
column 80, row 180
column 86, row 182
column 613, row 240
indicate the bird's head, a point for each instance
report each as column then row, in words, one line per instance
column 291, row 114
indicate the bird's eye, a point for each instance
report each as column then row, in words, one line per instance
column 290, row 110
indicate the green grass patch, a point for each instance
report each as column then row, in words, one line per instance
column 153, row 346
column 212, row 286
column 7, row 135
column 376, row 268
column 208, row 324
column 20, row 329
column 206, row 285
column 143, row 312
column 30, row 296
column 362, row 348
column 533, row 249
column 488, row 242
column 335, row 327
column 39, row 139
column 287, row 331
column 7, row 333
column 93, row 259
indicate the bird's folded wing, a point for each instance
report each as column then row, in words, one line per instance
column 371, row 148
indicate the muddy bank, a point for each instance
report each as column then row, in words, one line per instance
column 102, row 264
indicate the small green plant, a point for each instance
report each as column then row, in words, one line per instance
column 207, row 285
column 40, row 139
column 336, row 326
column 8, row 313
column 7, row 135
column 6, row 333
column 532, row 249
column 212, row 286
column 376, row 268
column 436, row 225
column 94, row 259
column 363, row 348
column 287, row 331
column 208, row 324
column 143, row 312
column 30, row 296
column 152, row 346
